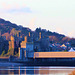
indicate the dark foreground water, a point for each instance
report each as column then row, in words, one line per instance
column 40, row 70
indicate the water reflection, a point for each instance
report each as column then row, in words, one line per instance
column 36, row 70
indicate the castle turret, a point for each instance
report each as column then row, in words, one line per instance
column 40, row 35
column 11, row 43
column 23, row 43
column 29, row 34
column 25, row 39
column 18, row 33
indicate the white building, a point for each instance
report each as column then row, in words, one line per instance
column 71, row 50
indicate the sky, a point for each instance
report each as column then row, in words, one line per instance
column 54, row 15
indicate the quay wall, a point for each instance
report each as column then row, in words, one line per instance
column 4, row 58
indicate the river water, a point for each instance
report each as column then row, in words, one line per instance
column 35, row 70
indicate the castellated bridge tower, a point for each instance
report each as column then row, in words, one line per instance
column 26, row 49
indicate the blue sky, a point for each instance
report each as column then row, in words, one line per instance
column 54, row 15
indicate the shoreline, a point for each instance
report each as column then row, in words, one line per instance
column 6, row 64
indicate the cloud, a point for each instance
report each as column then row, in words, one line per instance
column 24, row 10
column 12, row 8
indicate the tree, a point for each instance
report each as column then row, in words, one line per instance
column 3, row 53
column 10, row 52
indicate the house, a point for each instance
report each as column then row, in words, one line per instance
column 63, row 46
column 71, row 50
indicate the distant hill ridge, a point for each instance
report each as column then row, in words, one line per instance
column 6, row 28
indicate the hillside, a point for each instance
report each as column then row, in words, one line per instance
column 7, row 26
column 7, row 29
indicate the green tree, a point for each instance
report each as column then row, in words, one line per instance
column 3, row 53
column 10, row 52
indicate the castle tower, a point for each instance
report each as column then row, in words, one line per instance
column 40, row 35
column 18, row 33
column 29, row 34
column 11, row 43
column 25, row 39
column 12, row 38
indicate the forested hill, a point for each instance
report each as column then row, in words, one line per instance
column 7, row 28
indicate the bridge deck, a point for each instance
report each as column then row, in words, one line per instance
column 54, row 55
